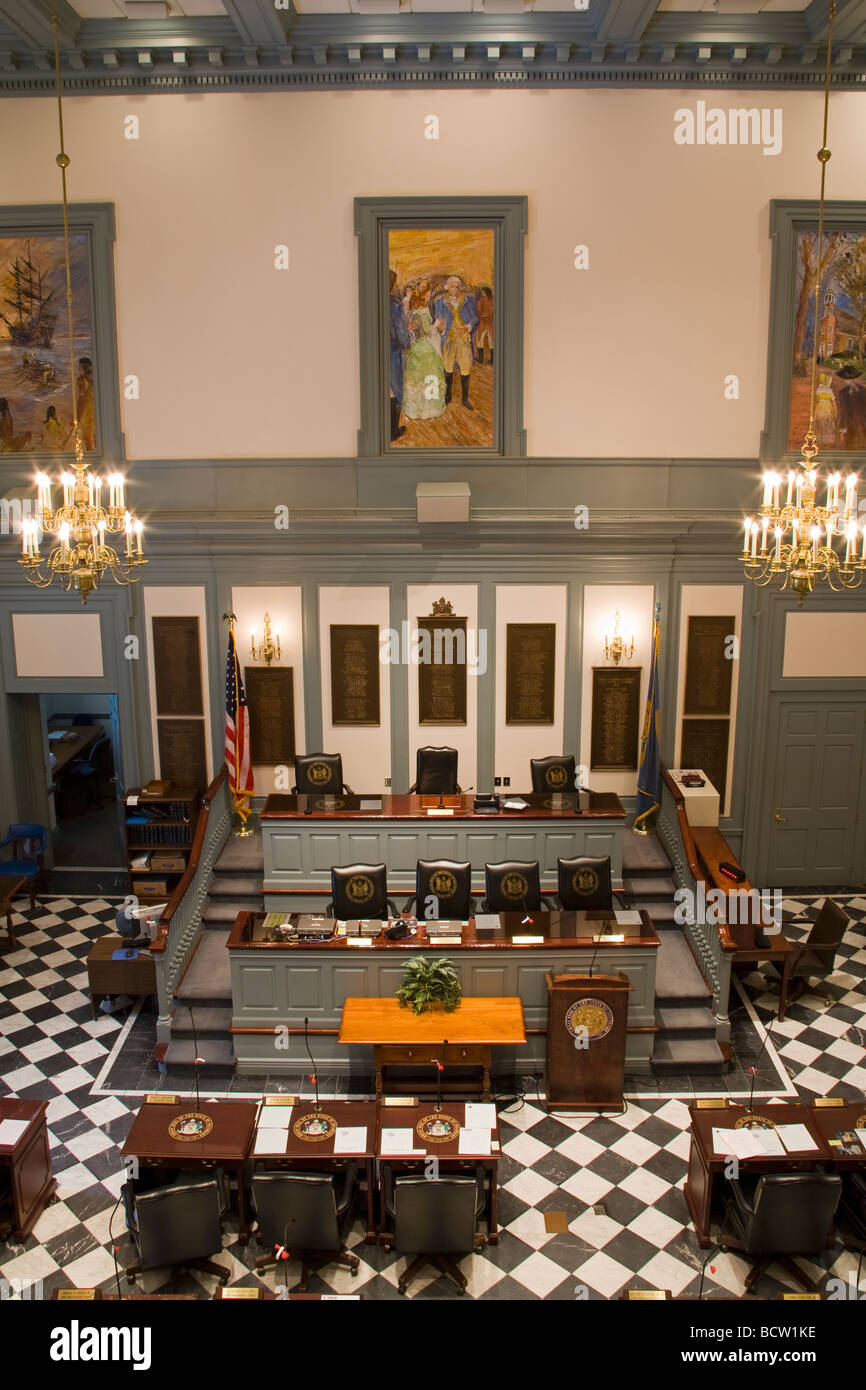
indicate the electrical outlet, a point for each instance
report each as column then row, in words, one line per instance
column 497, row 781
column 387, row 781
column 506, row 781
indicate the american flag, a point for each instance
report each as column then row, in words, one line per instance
column 240, row 768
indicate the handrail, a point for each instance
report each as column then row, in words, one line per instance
column 685, row 828
column 161, row 940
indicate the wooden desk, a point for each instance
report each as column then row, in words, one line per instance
column 318, row 1154
column 66, row 750
column 107, row 977
column 29, row 1163
column 9, row 889
column 400, row 1037
column 227, row 1144
column 829, row 1120
column 705, row 1164
column 448, row 1154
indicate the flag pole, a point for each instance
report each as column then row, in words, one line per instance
column 240, row 800
column 650, row 770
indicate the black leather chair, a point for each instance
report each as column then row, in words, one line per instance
column 90, row 775
column 177, row 1223
column 553, row 774
column 449, row 883
column 779, row 1215
column 435, row 771
column 319, row 774
column 815, row 956
column 512, row 886
column 360, row 890
column 437, row 1216
column 307, row 1214
column 583, row 884
column 853, row 1202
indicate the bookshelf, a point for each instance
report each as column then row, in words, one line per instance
column 159, row 836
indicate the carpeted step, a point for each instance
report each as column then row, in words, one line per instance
column 209, row 1021
column 677, row 976
column 661, row 911
column 690, row 1019
column 643, row 854
column 688, row 1055
column 644, row 887
column 241, row 856
column 223, row 911
column 208, row 977
column 236, row 886
column 218, row 1055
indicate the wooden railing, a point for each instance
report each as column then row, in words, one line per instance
column 180, row 924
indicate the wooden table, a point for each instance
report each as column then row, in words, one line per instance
column 318, row 1154
column 448, row 1154
column 9, row 890
column 464, row 1038
column 66, row 750
column 107, row 977
column 226, row 1146
column 29, row 1163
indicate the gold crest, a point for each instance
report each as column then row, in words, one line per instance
column 192, row 1125
column 514, row 886
column 315, row 1126
column 438, row 1128
column 359, row 889
column 593, row 1015
column 584, row 881
column 556, row 777
column 443, row 883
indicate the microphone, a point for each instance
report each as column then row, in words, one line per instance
column 114, row 1248
column 527, row 920
column 602, row 933
column 197, row 1061
column 283, row 1252
column 754, row 1067
column 312, row 1063
column 439, row 1070
column 710, row 1256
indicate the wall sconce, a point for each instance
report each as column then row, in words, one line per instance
column 268, row 649
column 615, row 646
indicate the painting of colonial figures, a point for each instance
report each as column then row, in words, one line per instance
column 840, row 397
column 35, row 386
column 442, row 337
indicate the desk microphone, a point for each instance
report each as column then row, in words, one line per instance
column 312, row 1063
column 528, row 921
column 196, row 1061
column 754, row 1067
column 115, row 1247
column 439, row 1070
column 283, row 1252
column 602, row 933
column 710, row 1256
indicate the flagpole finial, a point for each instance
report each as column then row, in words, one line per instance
column 230, row 618
column 658, row 609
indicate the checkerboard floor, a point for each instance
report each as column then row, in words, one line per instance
column 617, row 1180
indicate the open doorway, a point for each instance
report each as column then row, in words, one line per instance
column 82, row 739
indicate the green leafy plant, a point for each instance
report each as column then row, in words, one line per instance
column 429, row 981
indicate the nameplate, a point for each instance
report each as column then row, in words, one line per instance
column 441, row 811
column 77, row 1295
column 825, row 1102
column 647, row 1295
column 801, row 1297
column 239, row 1293
column 458, row 940
column 608, row 936
column 160, row 1099
column 358, row 941
column 408, row 1101
column 528, row 940
column 714, row 1104
column 277, row 1100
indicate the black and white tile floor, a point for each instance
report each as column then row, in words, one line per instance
column 618, row 1180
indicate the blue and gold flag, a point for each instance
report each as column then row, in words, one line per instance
column 649, row 775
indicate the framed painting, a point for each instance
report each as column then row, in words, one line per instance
column 840, row 398
column 37, row 383
column 441, row 324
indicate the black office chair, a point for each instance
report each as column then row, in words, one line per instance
column 852, row 1205
column 178, row 1223
column 89, row 775
column 583, row 884
column 307, row 1215
column 449, row 883
column 360, row 890
column 817, row 954
column 553, row 774
column 779, row 1215
column 319, row 774
column 438, row 1216
column 512, row 886
column 435, row 772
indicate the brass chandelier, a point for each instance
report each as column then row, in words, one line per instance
column 80, row 522
column 792, row 543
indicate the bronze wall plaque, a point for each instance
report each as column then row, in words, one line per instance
column 271, row 701
column 615, row 718
column 355, row 673
column 708, row 670
column 705, row 745
column 442, row 670
column 530, row 673
column 182, row 752
column 177, row 665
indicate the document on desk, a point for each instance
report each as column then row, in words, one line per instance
column 748, row 1143
column 12, row 1130
column 480, row 1115
column 271, row 1141
column 350, row 1139
column 475, row 1142
column 275, row 1117
column 796, row 1138
column 399, row 1141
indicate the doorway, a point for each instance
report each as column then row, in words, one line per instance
column 81, row 736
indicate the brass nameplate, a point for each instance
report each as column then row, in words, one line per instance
column 84, row 1295
column 825, row 1102
column 355, row 673
column 647, row 1295
column 615, row 718
column 271, row 701
column 801, row 1297
column 281, row 1100
column 177, row 666
column 715, row 1104
column 530, row 673
column 159, row 1099
column 239, row 1293
column 407, row 1101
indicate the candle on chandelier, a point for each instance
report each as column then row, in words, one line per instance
column 795, row 528
column 830, row 526
column 851, row 537
column 127, row 524
column 101, row 530
column 863, row 551
column 67, row 480
column 816, row 536
column 777, row 479
column 90, row 489
column 25, row 538
column 138, row 530
column 747, row 527
column 43, row 484
column 768, row 488
column 754, row 540
column 800, row 481
column 851, row 493
column 778, row 545
column 764, row 524
column 837, row 478
column 63, row 536
column 791, row 476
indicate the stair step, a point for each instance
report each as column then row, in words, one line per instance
column 241, row 856
column 236, row 886
column 677, row 976
column 643, row 854
column 688, row 1055
column 208, row 976
column 660, row 911
column 643, row 886
column 208, row 1020
column 225, row 910
column 218, row 1054
column 691, row 1019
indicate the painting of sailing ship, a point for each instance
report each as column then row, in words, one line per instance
column 36, row 392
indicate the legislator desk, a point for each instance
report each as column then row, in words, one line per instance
column 303, row 836
column 27, row 1160
column 833, row 1120
column 461, row 1038
column 294, row 1150
column 280, row 983
column 447, row 1152
column 705, row 1164
column 226, row 1145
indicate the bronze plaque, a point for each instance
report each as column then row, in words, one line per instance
column 355, row 673
column 615, row 718
column 181, row 751
column 708, row 670
column 442, row 670
column 271, row 701
column 705, row 745
column 177, row 665
column 530, row 673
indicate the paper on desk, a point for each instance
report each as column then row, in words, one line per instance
column 275, row 1117
column 12, row 1130
column 480, row 1115
column 474, row 1141
column 271, row 1141
column 748, row 1143
column 132, row 801
column 399, row 1141
column 796, row 1138
column 350, row 1139
column 627, row 919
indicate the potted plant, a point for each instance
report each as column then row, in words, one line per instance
column 430, row 983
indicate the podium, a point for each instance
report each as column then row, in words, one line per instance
column 586, row 1028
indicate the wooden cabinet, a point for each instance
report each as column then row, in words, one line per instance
column 28, row 1163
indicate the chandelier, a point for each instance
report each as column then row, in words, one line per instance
column 797, row 543
column 81, row 557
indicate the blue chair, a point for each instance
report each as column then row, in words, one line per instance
column 29, row 864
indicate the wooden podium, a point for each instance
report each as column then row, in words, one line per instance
column 586, row 1028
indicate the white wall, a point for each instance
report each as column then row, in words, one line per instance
column 635, row 605
column 825, row 644
column 173, row 602
column 366, row 752
column 517, row 743
column 57, row 644
column 419, row 603
column 249, row 606
column 709, row 600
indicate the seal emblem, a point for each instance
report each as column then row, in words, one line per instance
column 592, row 1015
column 315, row 1126
column 514, row 886
column 192, row 1125
column 556, row 777
column 438, row 1128
column 443, row 883
column 584, row 881
column 319, row 773
column 359, row 889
